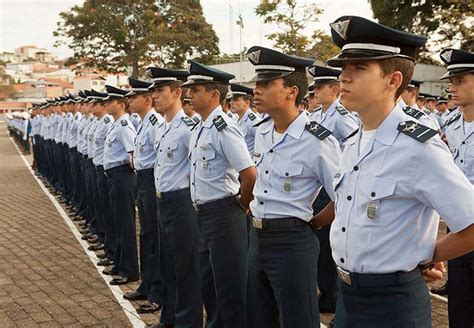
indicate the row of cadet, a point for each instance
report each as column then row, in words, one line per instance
column 249, row 213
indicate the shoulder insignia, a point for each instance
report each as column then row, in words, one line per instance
column 266, row 119
column 317, row 130
column 189, row 122
column 426, row 111
column 341, row 110
column 153, row 119
column 252, row 116
column 195, row 119
column 413, row 112
column 416, row 130
column 124, row 122
column 107, row 120
column 350, row 135
column 452, row 120
column 219, row 123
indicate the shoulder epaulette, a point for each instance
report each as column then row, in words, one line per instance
column 219, row 122
column 124, row 122
column 413, row 112
column 195, row 119
column 252, row 116
column 426, row 111
column 189, row 122
column 452, row 120
column 416, row 130
column 342, row 110
column 353, row 133
column 318, row 130
column 319, row 108
column 107, row 120
column 153, row 119
column 266, row 119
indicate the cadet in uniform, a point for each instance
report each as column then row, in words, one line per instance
column 182, row 305
column 219, row 155
column 332, row 114
column 240, row 105
column 460, row 137
column 151, row 286
column 385, row 226
column 121, row 180
column 294, row 158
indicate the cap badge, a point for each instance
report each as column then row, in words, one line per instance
column 341, row 28
column 254, row 56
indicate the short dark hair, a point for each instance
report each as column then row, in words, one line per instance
column 405, row 66
column 222, row 88
column 299, row 80
column 125, row 102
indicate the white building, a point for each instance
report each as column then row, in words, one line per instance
column 88, row 82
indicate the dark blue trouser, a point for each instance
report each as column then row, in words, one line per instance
column 461, row 291
column 105, row 215
column 81, row 189
column 73, row 164
column 122, row 183
column 283, row 276
column 327, row 277
column 151, row 284
column 180, row 262
column 89, row 176
column 224, row 232
column 403, row 304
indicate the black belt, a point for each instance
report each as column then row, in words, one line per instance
column 280, row 223
column 377, row 280
column 172, row 194
column 118, row 169
column 90, row 161
column 215, row 203
column 145, row 173
column 99, row 168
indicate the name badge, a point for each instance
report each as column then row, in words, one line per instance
column 140, row 149
column 203, row 147
column 110, row 144
column 204, row 164
column 372, row 208
column 287, row 184
column 169, row 154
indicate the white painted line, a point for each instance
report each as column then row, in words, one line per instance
column 126, row 306
column 438, row 297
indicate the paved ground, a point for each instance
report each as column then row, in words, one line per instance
column 46, row 278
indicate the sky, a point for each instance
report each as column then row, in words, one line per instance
column 32, row 22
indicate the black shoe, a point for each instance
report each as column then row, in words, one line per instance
column 159, row 325
column 96, row 247
column 149, row 307
column 85, row 231
column 78, row 218
column 110, row 272
column 331, row 324
column 82, row 225
column 87, row 236
column 101, row 256
column 105, row 262
column 94, row 240
column 122, row 280
column 134, row 296
column 442, row 291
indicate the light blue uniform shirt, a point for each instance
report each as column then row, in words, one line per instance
column 423, row 119
column 67, row 123
column 247, row 126
column 144, row 155
column 119, row 143
column 83, row 141
column 291, row 170
column 100, row 132
column 80, row 133
column 386, row 196
column 341, row 125
column 461, row 143
column 90, row 137
column 55, row 127
column 136, row 120
column 216, row 157
column 432, row 117
column 72, row 138
column 172, row 166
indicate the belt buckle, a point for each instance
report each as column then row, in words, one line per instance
column 196, row 207
column 158, row 194
column 344, row 275
column 257, row 223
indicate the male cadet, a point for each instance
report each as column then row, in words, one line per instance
column 407, row 102
column 240, row 105
column 294, row 158
column 313, row 104
column 385, row 229
column 141, row 103
column 460, row 137
column 122, row 182
column 182, row 304
column 188, row 108
column 219, row 155
column 102, row 203
column 332, row 115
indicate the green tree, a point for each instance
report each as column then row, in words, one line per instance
column 447, row 23
column 292, row 20
column 114, row 34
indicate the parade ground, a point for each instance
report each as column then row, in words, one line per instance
column 48, row 278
